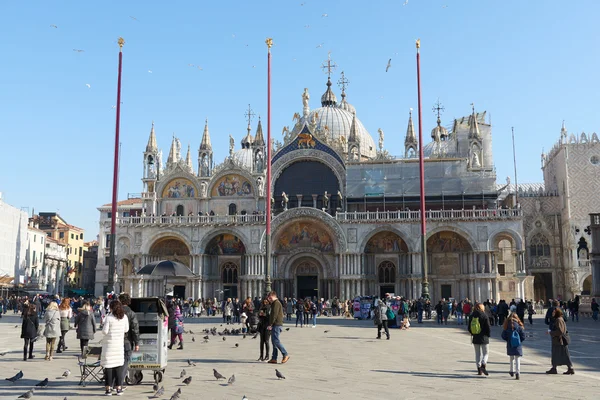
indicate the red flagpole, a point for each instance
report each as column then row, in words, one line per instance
column 269, row 43
column 113, row 215
column 425, row 284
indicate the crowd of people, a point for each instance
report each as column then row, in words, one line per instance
column 265, row 317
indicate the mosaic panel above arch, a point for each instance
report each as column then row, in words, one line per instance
column 304, row 235
column 232, row 185
column 386, row 242
column 227, row 244
column 179, row 188
column 448, row 242
column 168, row 247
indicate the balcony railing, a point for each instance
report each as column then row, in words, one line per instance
column 431, row 215
column 194, row 220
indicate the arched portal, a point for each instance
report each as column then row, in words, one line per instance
column 542, row 286
column 587, row 286
column 386, row 277
column 171, row 248
column 449, row 255
column 229, row 279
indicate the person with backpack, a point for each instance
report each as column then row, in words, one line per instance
column 381, row 318
column 479, row 328
column 300, row 313
column 514, row 334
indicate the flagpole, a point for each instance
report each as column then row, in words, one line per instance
column 515, row 166
column 425, row 284
column 113, row 214
column 269, row 43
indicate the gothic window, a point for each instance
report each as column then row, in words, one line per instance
column 230, row 273
column 539, row 246
column 387, row 272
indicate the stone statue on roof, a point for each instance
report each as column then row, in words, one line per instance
column 305, row 99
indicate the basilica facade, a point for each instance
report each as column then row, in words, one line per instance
column 346, row 215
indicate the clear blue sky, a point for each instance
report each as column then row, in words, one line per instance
column 530, row 64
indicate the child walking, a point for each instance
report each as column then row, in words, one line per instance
column 514, row 334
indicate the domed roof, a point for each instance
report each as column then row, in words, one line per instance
column 338, row 122
column 243, row 158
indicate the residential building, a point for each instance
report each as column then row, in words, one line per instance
column 90, row 260
column 53, row 276
column 36, row 248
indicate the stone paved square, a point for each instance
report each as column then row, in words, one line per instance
column 427, row 361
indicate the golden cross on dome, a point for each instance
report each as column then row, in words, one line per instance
column 438, row 108
column 329, row 66
column 343, row 82
column 249, row 115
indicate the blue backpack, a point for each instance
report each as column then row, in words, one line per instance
column 515, row 339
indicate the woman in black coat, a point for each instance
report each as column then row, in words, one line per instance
column 265, row 333
column 29, row 330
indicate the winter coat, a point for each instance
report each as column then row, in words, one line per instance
column 133, row 335
column 30, row 326
column 113, row 351
column 484, row 322
column 227, row 309
column 85, row 325
column 52, row 320
column 178, row 321
column 507, row 335
column 289, row 307
column 65, row 319
column 380, row 313
column 559, row 328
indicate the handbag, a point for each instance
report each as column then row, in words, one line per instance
column 566, row 340
column 390, row 314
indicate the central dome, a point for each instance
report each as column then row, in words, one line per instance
column 338, row 120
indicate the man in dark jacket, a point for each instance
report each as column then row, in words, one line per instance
column 132, row 337
column 276, row 327
column 481, row 339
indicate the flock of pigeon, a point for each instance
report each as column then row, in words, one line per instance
column 40, row 385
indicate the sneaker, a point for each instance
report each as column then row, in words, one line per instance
column 314, row 326
column 108, row 393
column 119, row 392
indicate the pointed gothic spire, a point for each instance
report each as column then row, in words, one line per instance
column 411, row 138
column 188, row 160
column 259, row 139
column 353, row 137
column 205, row 144
column 474, row 126
column 151, row 147
column 172, row 159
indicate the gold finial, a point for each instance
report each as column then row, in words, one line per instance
column 418, row 43
column 269, row 42
column 121, row 42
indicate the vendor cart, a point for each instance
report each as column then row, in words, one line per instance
column 152, row 317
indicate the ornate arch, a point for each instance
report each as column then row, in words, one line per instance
column 309, row 155
column 164, row 233
column 384, row 228
column 290, row 261
column 231, row 169
column 312, row 215
column 515, row 236
column 459, row 231
column 214, row 233
column 177, row 172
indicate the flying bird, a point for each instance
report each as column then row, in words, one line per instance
column 182, row 374
column 389, row 64
column 231, row 380
column 27, row 395
column 149, row 71
column 78, row 50
column 88, row 85
column 324, row 15
column 321, row 45
column 405, row 3
column 43, row 383
column 217, row 374
column 158, row 392
column 187, row 380
column 279, row 374
column 133, row 18
column 53, row 26
column 15, row 378
column 307, row 26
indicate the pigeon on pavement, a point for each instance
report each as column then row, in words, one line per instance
column 279, row 374
column 182, row 374
column 187, row 380
column 217, row 374
column 43, row 383
column 27, row 395
column 231, row 380
column 191, row 363
column 15, row 378
column 66, row 373
column 159, row 392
